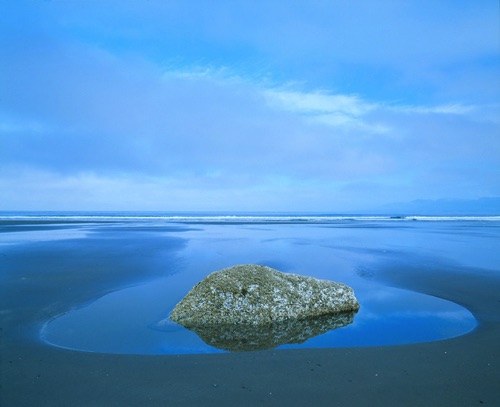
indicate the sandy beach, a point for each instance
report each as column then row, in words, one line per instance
column 462, row 371
column 146, row 145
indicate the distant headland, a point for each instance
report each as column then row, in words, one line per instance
column 482, row 206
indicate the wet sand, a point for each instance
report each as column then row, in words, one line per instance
column 463, row 371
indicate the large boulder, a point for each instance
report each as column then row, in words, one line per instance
column 253, row 295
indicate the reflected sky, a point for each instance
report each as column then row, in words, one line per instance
column 128, row 321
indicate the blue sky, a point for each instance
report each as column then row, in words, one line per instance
column 247, row 105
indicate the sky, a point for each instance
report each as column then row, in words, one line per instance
column 305, row 106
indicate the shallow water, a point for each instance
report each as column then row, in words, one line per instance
column 128, row 320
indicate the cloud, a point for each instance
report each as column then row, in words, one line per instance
column 92, row 191
column 190, row 106
column 177, row 136
column 454, row 109
column 320, row 102
column 335, row 110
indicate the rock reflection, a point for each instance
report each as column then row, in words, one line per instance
column 250, row 337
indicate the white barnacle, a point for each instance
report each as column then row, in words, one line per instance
column 253, row 287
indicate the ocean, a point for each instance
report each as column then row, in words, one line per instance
column 133, row 268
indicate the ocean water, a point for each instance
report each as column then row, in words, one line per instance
column 156, row 258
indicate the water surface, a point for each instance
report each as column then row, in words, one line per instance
column 348, row 251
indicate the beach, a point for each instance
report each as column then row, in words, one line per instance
column 51, row 267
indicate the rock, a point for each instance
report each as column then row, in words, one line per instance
column 259, row 295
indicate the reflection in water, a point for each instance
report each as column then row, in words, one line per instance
column 250, row 337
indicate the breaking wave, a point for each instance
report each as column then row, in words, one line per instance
column 228, row 218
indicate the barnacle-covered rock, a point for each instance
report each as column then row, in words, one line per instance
column 255, row 295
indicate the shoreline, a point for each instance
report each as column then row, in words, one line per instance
column 460, row 371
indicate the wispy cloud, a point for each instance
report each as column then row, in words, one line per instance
column 320, row 102
column 453, row 109
column 333, row 110
column 352, row 111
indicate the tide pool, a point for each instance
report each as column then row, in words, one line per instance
column 129, row 320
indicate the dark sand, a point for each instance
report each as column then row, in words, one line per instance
column 463, row 371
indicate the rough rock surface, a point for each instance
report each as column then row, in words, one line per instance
column 253, row 294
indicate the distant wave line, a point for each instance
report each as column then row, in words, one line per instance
column 241, row 218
